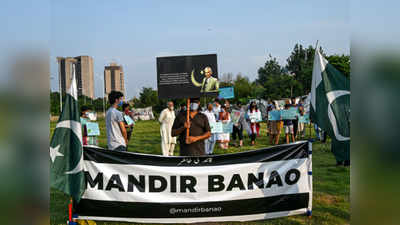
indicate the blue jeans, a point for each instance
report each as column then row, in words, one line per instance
column 210, row 144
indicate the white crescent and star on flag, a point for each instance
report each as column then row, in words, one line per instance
column 75, row 127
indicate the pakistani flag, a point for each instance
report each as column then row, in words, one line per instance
column 330, row 105
column 66, row 155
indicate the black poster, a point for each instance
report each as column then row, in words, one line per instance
column 187, row 76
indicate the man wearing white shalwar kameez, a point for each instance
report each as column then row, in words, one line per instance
column 166, row 119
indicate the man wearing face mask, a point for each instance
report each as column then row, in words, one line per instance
column 117, row 138
column 166, row 119
column 199, row 130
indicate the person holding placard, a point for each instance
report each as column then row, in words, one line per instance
column 84, row 118
column 275, row 125
column 295, row 121
column 270, row 107
column 301, row 123
column 166, row 119
column 129, row 123
column 238, row 125
column 254, row 117
column 288, row 124
column 210, row 142
column 199, row 130
column 216, row 109
column 225, row 118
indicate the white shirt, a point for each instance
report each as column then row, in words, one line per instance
column 210, row 116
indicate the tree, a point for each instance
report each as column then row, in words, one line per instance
column 242, row 88
column 148, row 97
column 300, row 63
column 341, row 63
column 271, row 67
column 281, row 86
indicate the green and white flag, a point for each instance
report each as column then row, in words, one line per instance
column 330, row 105
column 66, row 153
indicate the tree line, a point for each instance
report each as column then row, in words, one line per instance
column 274, row 81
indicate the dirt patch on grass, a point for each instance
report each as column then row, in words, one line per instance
column 328, row 199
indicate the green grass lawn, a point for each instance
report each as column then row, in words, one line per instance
column 331, row 184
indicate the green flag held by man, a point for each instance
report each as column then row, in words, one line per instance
column 66, row 153
column 330, row 106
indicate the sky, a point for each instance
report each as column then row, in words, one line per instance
column 241, row 33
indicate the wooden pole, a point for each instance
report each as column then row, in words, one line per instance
column 187, row 117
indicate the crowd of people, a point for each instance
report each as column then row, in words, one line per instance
column 200, row 140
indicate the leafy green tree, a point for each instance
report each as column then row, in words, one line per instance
column 341, row 63
column 271, row 67
column 148, row 97
column 300, row 63
column 281, row 86
column 242, row 87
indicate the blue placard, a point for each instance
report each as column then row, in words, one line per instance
column 128, row 120
column 216, row 127
column 226, row 93
column 289, row 114
column 227, row 127
column 305, row 118
column 274, row 115
column 92, row 129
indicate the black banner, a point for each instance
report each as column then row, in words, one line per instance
column 252, row 185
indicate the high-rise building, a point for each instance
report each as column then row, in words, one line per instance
column 84, row 74
column 114, row 78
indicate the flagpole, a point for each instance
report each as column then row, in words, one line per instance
column 70, row 206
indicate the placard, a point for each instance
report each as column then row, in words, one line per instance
column 216, row 127
column 128, row 120
column 305, row 118
column 274, row 115
column 235, row 115
column 227, row 127
column 92, row 129
column 255, row 117
column 188, row 76
column 226, row 93
column 289, row 114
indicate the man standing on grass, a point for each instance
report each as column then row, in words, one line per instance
column 199, row 130
column 117, row 138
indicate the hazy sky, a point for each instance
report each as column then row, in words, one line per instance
column 241, row 33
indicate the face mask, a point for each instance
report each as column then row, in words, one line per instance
column 222, row 110
column 121, row 103
column 171, row 108
column 87, row 114
column 194, row 106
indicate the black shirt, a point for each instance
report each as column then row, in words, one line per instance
column 199, row 126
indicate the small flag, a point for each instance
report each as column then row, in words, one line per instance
column 66, row 152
